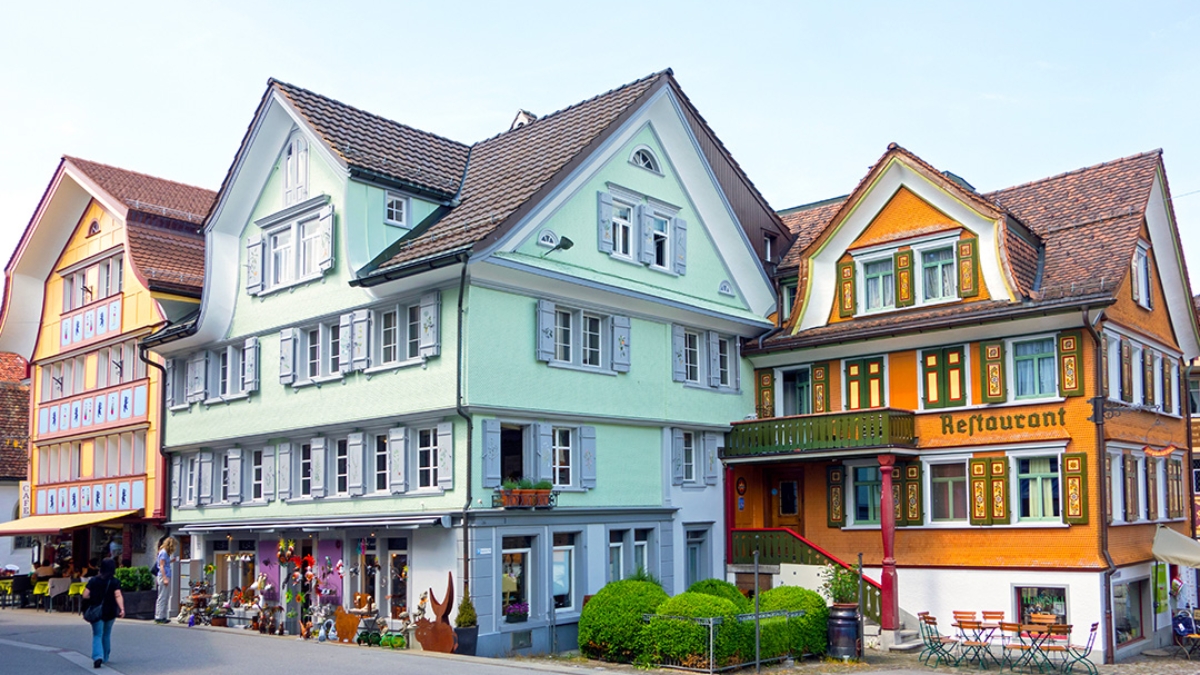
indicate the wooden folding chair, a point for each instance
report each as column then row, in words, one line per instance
column 974, row 643
column 992, row 617
column 964, row 616
column 941, row 647
column 1044, row 619
column 1078, row 654
column 1057, row 646
column 1011, row 644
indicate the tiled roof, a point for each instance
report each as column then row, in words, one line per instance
column 380, row 145
column 506, row 171
column 806, row 223
column 14, row 418
column 12, row 367
column 154, row 196
column 169, row 259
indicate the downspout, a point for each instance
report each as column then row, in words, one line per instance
column 1186, row 403
column 1101, row 450
column 163, row 498
column 462, row 412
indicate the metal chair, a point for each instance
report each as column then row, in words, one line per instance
column 1058, row 644
column 974, row 643
column 1012, row 644
column 1078, row 654
column 940, row 647
column 992, row 617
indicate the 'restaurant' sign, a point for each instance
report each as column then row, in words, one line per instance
column 969, row 425
column 26, row 499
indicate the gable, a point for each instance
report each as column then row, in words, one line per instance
column 905, row 216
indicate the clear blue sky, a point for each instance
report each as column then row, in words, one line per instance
column 805, row 95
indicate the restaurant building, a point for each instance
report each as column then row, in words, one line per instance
column 981, row 393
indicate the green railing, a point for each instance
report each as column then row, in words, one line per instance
column 879, row 427
column 783, row 546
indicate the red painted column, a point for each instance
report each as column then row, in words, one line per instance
column 730, row 513
column 889, row 611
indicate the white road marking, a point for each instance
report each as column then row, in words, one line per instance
column 73, row 657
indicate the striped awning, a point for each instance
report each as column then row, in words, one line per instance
column 314, row 524
column 57, row 523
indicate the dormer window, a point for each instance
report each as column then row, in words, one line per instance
column 880, row 282
column 1139, row 279
column 768, row 248
column 643, row 158
column 295, row 170
column 926, row 271
column 396, row 210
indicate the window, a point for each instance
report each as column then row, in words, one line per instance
column 643, row 158
column 641, row 549
column 689, row 457
column 691, row 356
column 1041, row 600
column 724, row 368
column 1139, row 281
column 398, row 341
column 563, row 445
column 280, row 248
column 563, row 570
column 879, row 283
column 768, row 248
column 944, row 377
column 788, row 299
column 696, row 552
column 661, row 239
column 591, row 340
column 95, row 282
column 797, row 392
column 1034, row 362
column 427, row 458
column 396, row 210
column 864, row 383
column 622, row 221
column 224, row 487
column 192, row 478
column 582, row 339
column 868, row 486
column 381, row 463
column 1129, row 607
column 562, row 336
column 256, row 475
column 341, row 467
column 948, row 491
column 321, row 347
column 937, row 268
column 295, row 170
column 616, row 555
column 306, row 470
column 1037, row 485
column 292, row 248
column 515, row 597
column 310, row 247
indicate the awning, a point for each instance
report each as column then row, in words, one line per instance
column 315, row 524
column 1176, row 548
column 57, row 523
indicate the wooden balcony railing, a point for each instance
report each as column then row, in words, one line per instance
column 783, row 546
column 875, row 428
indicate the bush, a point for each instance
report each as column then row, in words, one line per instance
column 686, row 643
column 466, row 612
column 134, row 579
column 723, row 589
column 611, row 622
column 809, row 633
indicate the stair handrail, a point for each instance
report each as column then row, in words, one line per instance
column 814, row 546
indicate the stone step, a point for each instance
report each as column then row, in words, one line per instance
column 910, row 646
column 905, row 635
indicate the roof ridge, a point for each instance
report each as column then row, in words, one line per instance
column 812, row 205
column 139, row 173
column 272, row 82
column 1072, row 172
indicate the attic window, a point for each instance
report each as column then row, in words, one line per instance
column 645, row 159
column 94, row 228
column 396, row 211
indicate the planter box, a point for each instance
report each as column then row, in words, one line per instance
column 139, row 604
column 466, row 639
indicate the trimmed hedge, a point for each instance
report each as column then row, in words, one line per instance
column 723, row 589
column 611, row 622
column 686, row 643
column 809, row 633
column 134, row 578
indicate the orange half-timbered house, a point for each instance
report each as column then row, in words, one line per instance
column 981, row 393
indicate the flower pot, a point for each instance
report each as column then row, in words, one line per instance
column 511, row 499
column 466, row 639
column 220, row 621
column 844, row 640
column 516, row 618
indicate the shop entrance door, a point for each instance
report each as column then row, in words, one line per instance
column 785, row 499
column 395, row 590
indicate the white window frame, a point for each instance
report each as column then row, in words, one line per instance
column 852, row 495
column 1140, row 284
column 328, row 361
column 223, row 489
column 695, row 368
column 571, row 559
column 301, row 463
column 648, row 162
column 407, row 335
column 405, row 203
column 256, row 477
column 1010, row 357
column 379, row 451
column 664, row 236
column 295, row 255
column 888, row 300
column 295, row 156
column 951, row 263
column 431, row 470
column 557, row 465
column 624, row 230
column 619, row 546
column 1015, row 485
column 690, row 475
column 787, row 294
column 918, row 246
column 574, row 341
column 339, row 463
column 927, row 471
column 192, row 481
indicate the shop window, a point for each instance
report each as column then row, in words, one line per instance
column 1038, row 488
column 868, row 486
column 563, row 570
column 1128, row 608
column 397, row 588
column 948, row 491
column 1032, row 600
column 515, row 582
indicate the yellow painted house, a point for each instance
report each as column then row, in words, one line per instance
column 108, row 256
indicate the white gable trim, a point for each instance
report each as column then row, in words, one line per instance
column 1171, row 274
column 822, row 266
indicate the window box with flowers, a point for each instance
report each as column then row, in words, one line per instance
column 525, row 494
column 516, row 612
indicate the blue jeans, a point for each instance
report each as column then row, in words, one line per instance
column 102, row 639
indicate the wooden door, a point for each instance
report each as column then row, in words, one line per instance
column 785, row 498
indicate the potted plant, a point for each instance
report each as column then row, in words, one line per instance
column 511, row 499
column 137, row 590
column 541, row 493
column 516, row 612
column 466, row 630
column 840, row 585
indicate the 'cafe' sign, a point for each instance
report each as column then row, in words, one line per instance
column 982, row 422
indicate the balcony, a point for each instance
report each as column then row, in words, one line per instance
column 851, row 430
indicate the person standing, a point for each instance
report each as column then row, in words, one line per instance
column 162, row 603
column 104, row 591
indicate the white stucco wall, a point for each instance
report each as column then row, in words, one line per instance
column 9, row 496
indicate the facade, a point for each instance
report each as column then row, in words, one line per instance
column 14, row 454
column 395, row 324
column 108, row 255
column 981, row 393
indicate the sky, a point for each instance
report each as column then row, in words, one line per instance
column 805, row 95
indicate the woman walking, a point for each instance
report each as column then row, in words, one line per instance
column 104, row 592
column 162, row 603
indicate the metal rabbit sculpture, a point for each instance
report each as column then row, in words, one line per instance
column 438, row 635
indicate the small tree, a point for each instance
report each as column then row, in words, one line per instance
column 466, row 612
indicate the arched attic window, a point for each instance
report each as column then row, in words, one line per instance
column 93, row 228
column 644, row 158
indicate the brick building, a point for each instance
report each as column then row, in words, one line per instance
column 14, row 452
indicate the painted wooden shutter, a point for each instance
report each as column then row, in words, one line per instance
column 679, row 244
column 999, row 484
column 491, row 453
column 1070, row 363
column 676, row 456
column 847, row 291
column 898, row 510
column 325, row 223
column 645, row 220
column 913, row 499
column 284, row 472
column 835, row 495
column 992, row 375
column 931, row 377
column 345, row 343
column 604, row 222
column 1134, row 274
column 197, row 377
column 820, row 387
column 978, row 483
column 235, row 475
column 1148, row 376
column 545, row 331
column 621, row 328
column 1126, row 371
column 287, row 355
column 1075, row 504
column 268, row 473
column 903, row 282
column 712, row 460
column 397, row 460
column 968, row 268
column 1151, row 488
column 1104, row 363
column 1168, row 388
column 254, row 264
column 355, row 447
column 176, row 468
column 1108, row 491
column 360, row 339
column 714, row 359
column 445, row 444
column 587, row 457
column 1175, row 490
column 1131, row 487
column 678, row 366
column 765, row 392
column 544, row 437
column 428, row 341
column 169, row 383
column 318, row 472
column 206, row 479
column 250, row 365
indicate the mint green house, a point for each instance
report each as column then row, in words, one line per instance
column 395, row 324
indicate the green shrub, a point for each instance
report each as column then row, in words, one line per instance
column 686, row 643
column 840, row 583
column 642, row 575
column 723, row 589
column 134, row 578
column 611, row 621
column 466, row 612
column 809, row 633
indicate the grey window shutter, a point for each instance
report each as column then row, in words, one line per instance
column 587, row 457
column 206, row 479
column 360, row 339
column 677, row 456
column 545, row 331
column 735, row 363
column 197, row 377
column 397, row 452
column 169, row 383
column 287, row 355
column 284, row 472
column 301, row 170
column 679, row 244
column 235, row 475
column 354, row 463
column 491, row 454
column 176, row 468
column 445, row 441
column 645, row 227
column 344, row 327
column 428, row 337
column 714, row 359
column 254, row 265
column 678, row 368
column 325, row 252
column 268, row 473
column 712, row 463
column 620, row 344
column 544, row 469
column 604, row 222
column 318, row 472
column 250, row 363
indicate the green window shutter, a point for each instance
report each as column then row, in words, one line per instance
column 913, row 499
column 1126, row 371
column 968, row 268
column 998, row 490
column 765, row 377
column 931, row 376
column 1131, row 487
column 1148, row 376
column 992, row 372
column 835, row 475
column 977, row 482
column 1070, row 362
column 820, row 387
column 897, row 493
column 1168, row 392
column 954, row 378
column 1104, row 363
column 1075, row 504
column 1152, row 488
column 847, row 291
column 903, row 266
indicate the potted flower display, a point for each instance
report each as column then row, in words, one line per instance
column 516, row 612
column 466, row 624
column 509, row 494
column 841, row 586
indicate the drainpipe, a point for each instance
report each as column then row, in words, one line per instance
column 1186, row 404
column 462, row 412
column 163, row 496
column 1101, row 450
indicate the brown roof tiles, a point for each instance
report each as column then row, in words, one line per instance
column 150, row 195
column 14, row 418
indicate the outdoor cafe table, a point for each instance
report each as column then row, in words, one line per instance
column 1035, row 636
column 976, row 640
